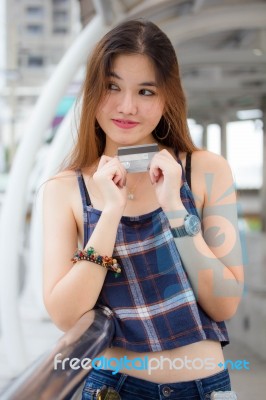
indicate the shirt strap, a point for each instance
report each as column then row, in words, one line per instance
column 188, row 169
column 186, row 173
column 86, row 201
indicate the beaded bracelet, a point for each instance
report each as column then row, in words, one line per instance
column 91, row 255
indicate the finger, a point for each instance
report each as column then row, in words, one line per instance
column 164, row 161
column 117, row 163
column 104, row 160
column 117, row 179
column 165, row 152
column 112, row 167
column 109, row 164
column 156, row 163
column 123, row 177
column 115, row 172
column 155, row 173
column 123, row 172
column 121, row 166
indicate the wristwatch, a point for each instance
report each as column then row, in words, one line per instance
column 191, row 227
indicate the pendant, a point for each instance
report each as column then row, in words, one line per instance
column 130, row 196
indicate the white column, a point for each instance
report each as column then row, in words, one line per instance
column 2, row 42
column 263, row 189
column 223, row 124
column 204, row 125
column 2, row 74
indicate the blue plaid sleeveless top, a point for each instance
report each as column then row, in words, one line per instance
column 153, row 303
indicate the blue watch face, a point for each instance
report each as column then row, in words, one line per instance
column 192, row 225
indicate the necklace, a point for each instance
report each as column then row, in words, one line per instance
column 131, row 192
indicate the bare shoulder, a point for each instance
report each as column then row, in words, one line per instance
column 213, row 176
column 62, row 178
column 61, row 187
column 206, row 161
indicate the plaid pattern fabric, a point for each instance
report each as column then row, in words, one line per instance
column 152, row 300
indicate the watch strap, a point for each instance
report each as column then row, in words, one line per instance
column 179, row 232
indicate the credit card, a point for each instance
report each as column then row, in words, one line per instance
column 137, row 158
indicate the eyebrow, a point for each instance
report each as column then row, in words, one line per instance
column 150, row 83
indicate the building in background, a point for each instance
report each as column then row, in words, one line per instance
column 37, row 33
column 42, row 32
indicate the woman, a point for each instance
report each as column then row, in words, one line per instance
column 175, row 271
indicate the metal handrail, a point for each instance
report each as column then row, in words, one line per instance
column 90, row 336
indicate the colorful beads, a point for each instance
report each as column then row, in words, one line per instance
column 91, row 255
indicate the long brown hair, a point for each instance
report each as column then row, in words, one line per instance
column 131, row 37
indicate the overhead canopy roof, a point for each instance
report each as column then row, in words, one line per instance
column 220, row 44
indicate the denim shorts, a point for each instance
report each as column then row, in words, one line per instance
column 130, row 388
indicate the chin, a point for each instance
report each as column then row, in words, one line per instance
column 122, row 142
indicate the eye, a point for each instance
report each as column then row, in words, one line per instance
column 146, row 92
column 112, row 86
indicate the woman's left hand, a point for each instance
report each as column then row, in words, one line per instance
column 166, row 176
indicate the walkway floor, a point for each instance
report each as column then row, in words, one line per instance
column 248, row 384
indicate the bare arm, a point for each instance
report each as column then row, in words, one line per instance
column 70, row 291
column 213, row 258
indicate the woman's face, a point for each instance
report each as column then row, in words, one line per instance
column 132, row 106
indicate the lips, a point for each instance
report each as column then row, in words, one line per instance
column 125, row 123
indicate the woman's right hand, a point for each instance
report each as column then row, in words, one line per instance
column 110, row 179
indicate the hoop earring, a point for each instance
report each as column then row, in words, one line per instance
column 165, row 136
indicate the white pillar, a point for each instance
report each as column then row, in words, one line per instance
column 223, row 124
column 13, row 210
column 263, row 189
column 204, row 125
column 2, row 75
column 2, row 42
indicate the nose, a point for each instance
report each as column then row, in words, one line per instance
column 127, row 104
